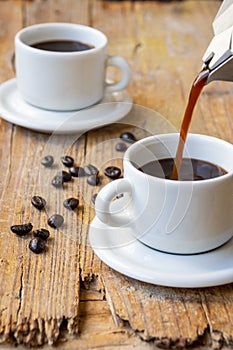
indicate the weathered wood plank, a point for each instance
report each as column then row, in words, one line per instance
column 165, row 63
column 73, row 11
column 164, row 315
column 39, row 294
column 10, row 271
column 36, row 301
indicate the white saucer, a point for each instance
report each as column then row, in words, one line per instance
column 118, row 248
column 14, row 109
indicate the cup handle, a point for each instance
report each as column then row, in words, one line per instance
column 126, row 73
column 104, row 199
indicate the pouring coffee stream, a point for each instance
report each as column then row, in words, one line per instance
column 217, row 65
column 196, row 89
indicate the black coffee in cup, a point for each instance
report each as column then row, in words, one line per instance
column 62, row 46
column 191, row 169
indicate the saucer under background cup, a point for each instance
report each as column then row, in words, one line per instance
column 118, row 248
column 112, row 108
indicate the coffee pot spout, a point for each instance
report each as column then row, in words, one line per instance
column 218, row 58
column 223, row 72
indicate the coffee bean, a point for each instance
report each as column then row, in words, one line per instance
column 47, row 161
column 71, row 203
column 55, row 221
column 22, row 230
column 67, row 161
column 93, row 198
column 112, row 172
column 77, row 171
column 57, row 181
column 41, row 233
column 128, row 137
column 37, row 245
column 91, row 170
column 38, row 202
column 66, row 177
column 121, row 147
column 93, row 180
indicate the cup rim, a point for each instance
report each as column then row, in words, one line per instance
column 145, row 141
column 21, row 32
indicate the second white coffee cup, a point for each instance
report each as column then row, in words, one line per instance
column 183, row 217
column 65, row 80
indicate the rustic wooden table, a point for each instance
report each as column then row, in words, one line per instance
column 66, row 296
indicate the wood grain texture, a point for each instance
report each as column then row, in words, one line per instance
column 67, row 296
column 39, row 294
column 165, row 63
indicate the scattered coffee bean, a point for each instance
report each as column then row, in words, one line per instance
column 112, row 172
column 47, row 161
column 57, row 181
column 55, row 221
column 37, row 245
column 67, row 161
column 22, row 230
column 93, row 180
column 93, row 198
column 38, row 202
column 128, row 137
column 121, row 147
column 66, row 177
column 71, row 203
column 77, row 171
column 91, row 170
column 41, row 233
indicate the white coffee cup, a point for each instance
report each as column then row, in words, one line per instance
column 183, row 217
column 65, row 80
